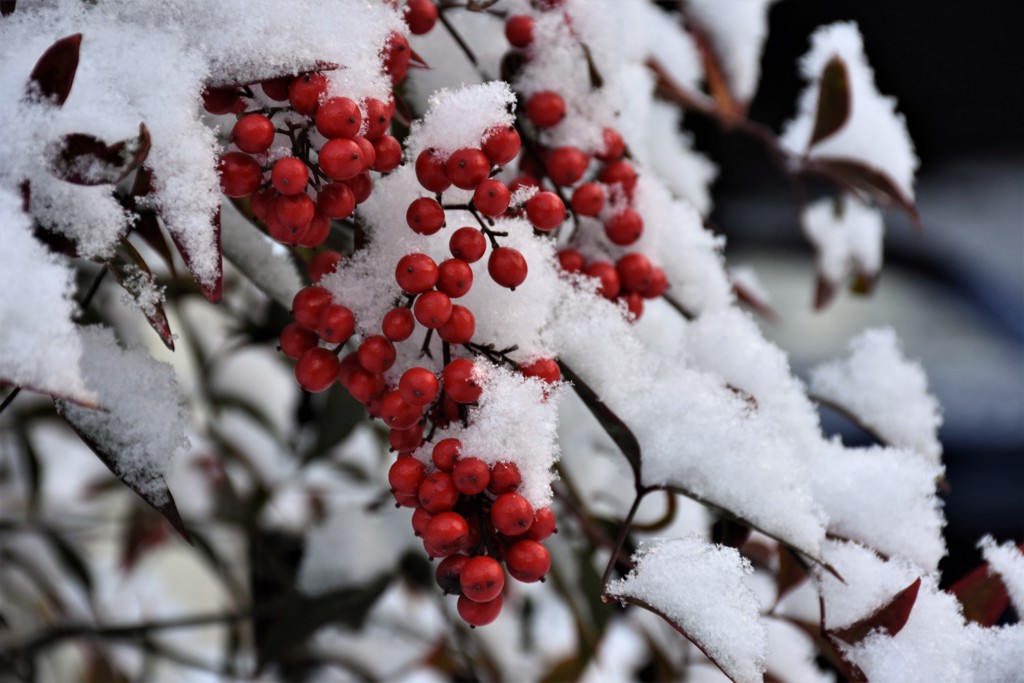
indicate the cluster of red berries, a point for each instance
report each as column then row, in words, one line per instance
column 470, row 514
column 629, row 280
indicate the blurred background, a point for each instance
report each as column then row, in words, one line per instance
column 954, row 292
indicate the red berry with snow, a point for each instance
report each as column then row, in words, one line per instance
column 545, row 210
column 339, row 117
column 420, row 15
column 323, row 264
column 505, row 477
column 588, row 199
column 511, row 514
column 446, row 453
column 388, row 154
column 305, row 92
column 432, row 309
column 431, row 171
column 501, row 145
column 253, row 133
column 398, row 414
column 418, row 386
column 507, row 267
column 459, row 381
column 467, row 168
column 491, row 197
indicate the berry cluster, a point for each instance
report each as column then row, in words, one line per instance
column 469, row 513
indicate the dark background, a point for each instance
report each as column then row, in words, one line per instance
column 956, row 71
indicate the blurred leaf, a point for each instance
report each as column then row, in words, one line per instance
column 145, row 530
column 54, row 73
column 729, row 533
column 212, row 292
column 833, row 101
column 84, row 159
column 792, row 572
column 726, row 104
column 224, row 572
column 341, row 414
column 618, row 430
column 7, row 7
column 162, row 501
column 864, row 283
column 302, row 615
column 479, row 5
column 824, row 292
column 890, row 617
column 33, row 468
column 596, row 81
column 417, row 62
column 568, row 669
column 70, row 558
column 147, row 226
column 857, row 176
column 132, row 272
column 982, row 595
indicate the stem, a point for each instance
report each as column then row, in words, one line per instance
column 621, row 540
column 458, row 39
column 425, row 349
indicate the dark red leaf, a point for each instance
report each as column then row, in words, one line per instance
column 728, row 107
column 145, row 530
column 792, row 572
column 755, row 302
column 212, row 292
column 824, row 292
column 416, row 61
column 833, row 101
column 891, row 617
column 53, row 74
column 132, row 272
column 84, row 159
column 860, row 178
column 7, row 7
column 982, row 595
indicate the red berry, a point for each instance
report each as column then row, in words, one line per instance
column 341, row 159
column 388, row 152
column 459, row 382
column 337, row 323
column 501, row 145
column 223, row 101
column 253, row 133
column 566, row 165
column 519, row 30
column 545, row 108
column 324, row 263
column 304, row 93
column 398, row 324
column 420, row 15
column 276, row 88
column 545, row 210
column 621, row 173
column 481, row 579
column 418, row 386
column 397, row 54
column 521, row 181
column 454, row 277
column 446, row 532
column 367, row 151
column 507, row 267
column 431, row 171
column 588, row 199
column 479, row 613
column 437, row 492
column 420, row 519
column 543, row 525
column 471, row 476
column 416, row 273
column 491, row 197
column 336, row 200
column 446, row 453
column 316, row 369
column 406, row 440
column 281, row 232
column 614, row 146
column 401, row 499
column 338, row 117
column 460, row 326
column 448, row 571
column 308, row 304
column 432, row 309
column 634, row 304
column 505, row 477
column 262, row 202
column 319, row 229
column 405, row 475
column 570, row 260
column 624, row 227
column 295, row 211
column 378, row 118
column 634, row 271
column 361, row 185
column 376, row 353
column 240, row 174
column 605, row 272
column 296, row 340
column 543, row 368
column 364, row 385
column 425, row 216
column 527, row 560
column 511, row 514
column 659, row 283
column 468, row 244
column 398, row 414
column 467, row 168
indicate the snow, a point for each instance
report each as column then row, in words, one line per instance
column 671, row 156
column 39, row 344
column 143, row 424
column 875, row 134
column 263, row 261
column 700, row 588
column 847, row 236
column 737, row 30
column 884, row 390
column 1007, row 561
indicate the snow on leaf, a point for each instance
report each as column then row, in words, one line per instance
column 84, row 159
column 142, row 424
column 699, row 588
column 132, row 272
column 885, row 391
column 982, row 596
column 54, row 73
column 833, row 101
column 889, row 618
column 1007, row 560
column 847, row 236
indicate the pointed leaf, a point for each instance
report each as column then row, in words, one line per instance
column 726, row 104
column 212, row 292
column 417, row 62
column 144, row 531
column 858, row 177
column 982, row 595
column 53, row 74
column 824, row 293
column 833, row 101
column 133, row 274
column 341, row 413
column 84, row 159
column 618, row 430
column 792, row 572
column 891, row 617
column 147, row 226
